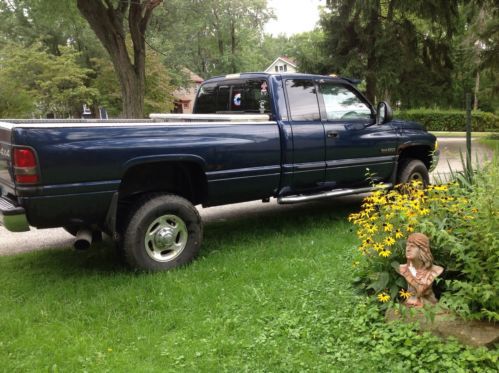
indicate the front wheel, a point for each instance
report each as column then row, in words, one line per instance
column 164, row 232
column 413, row 170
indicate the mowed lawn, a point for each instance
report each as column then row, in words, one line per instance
column 271, row 292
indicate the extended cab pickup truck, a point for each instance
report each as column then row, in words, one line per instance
column 295, row 137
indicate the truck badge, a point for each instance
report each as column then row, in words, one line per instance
column 387, row 150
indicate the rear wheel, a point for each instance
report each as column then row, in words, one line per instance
column 413, row 170
column 163, row 232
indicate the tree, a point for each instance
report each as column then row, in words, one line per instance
column 158, row 94
column 401, row 48
column 107, row 20
column 37, row 83
column 211, row 37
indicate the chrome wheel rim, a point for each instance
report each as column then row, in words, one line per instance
column 166, row 237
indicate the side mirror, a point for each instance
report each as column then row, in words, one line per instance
column 384, row 113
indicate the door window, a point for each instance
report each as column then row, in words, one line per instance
column 302, row 98
column 343, row 104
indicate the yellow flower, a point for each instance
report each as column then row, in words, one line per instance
column 353, row 217
column 398, row 234
column 387, row 227
column 385, row 253
column 410, row 228
column 424, row 211
column 405, row 294
column 411, row 213
column 474, row 210
column 378, row 247
column 372, row 229
column 389, row 241
column 383, row 297
column 440, row 187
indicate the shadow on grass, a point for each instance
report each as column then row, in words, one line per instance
column 104, row 259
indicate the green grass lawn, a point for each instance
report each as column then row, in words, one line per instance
column 491, row 142
column 268, row 293
column 461, row 134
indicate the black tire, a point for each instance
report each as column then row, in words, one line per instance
column 164, row 231
column 413, row 170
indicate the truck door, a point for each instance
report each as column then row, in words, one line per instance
column 308, row 133
column 353, row 142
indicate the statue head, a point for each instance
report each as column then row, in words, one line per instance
column 418, row 247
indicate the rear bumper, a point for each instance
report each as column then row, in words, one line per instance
column 12, row 216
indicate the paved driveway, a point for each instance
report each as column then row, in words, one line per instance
column 11, row 243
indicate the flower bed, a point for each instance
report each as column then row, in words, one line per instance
column 461, row 220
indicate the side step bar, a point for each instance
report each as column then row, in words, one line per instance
column 330, row 193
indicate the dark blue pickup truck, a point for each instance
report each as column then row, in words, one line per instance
column 295, row 137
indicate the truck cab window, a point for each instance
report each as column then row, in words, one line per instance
column 223, row 100
column 246, row 96
column 302, row 100
column 207, row 98
column 343, row 104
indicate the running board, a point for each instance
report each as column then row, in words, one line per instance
column 330, row 193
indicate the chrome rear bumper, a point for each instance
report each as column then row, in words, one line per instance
column 13, row 217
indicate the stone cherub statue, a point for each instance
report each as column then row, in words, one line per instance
column 419, row 271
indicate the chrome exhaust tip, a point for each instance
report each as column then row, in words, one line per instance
column 83, row 239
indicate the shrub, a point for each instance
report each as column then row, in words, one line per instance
column 473, row 293
column 451, row 120
column 462, row 225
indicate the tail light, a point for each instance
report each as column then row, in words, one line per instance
column 25, row 166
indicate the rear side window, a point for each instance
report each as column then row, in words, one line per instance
column 255, row 97
column 302, row 97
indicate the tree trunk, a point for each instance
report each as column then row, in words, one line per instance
column 108, row 24
column 233, row 46
column 371, row 78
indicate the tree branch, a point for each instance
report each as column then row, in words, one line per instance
column 147, row 9
column 122, row 8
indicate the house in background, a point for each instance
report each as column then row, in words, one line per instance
column 282, row 65
column 185, row 96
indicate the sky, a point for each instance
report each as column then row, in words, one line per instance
column 293, row 16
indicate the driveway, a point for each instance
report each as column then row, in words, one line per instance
column 11, row 243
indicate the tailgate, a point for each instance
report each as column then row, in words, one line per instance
column 5, row 159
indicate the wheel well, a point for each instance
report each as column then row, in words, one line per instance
column 421, row 152
column 185, row 179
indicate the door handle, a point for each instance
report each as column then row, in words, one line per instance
column 332, row 135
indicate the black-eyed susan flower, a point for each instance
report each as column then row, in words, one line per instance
column 405, row 294
column 383, row 297
column 389, row 241
column 385, row 253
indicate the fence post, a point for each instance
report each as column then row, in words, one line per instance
column 468, row 133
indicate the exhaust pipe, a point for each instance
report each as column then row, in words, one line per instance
column 83, row 239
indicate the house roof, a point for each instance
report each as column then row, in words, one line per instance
column 193, row 77
column 288, row 60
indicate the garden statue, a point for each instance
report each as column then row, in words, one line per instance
column 419, row 271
